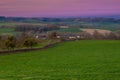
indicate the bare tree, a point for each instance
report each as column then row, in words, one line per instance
column 53, row 35
column 10, row 43
column 111, row 36
column 29, row 42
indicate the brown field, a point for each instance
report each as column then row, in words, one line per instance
column 91, row 31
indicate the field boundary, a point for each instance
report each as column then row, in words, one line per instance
column 27, row 49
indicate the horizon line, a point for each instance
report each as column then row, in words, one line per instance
column 82, row 16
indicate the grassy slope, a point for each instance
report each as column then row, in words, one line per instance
column 79, row 60
column 7, row 31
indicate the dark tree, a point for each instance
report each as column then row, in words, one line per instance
column 29, row 42
column 10, row 43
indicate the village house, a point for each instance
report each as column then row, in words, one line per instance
column 70, row 36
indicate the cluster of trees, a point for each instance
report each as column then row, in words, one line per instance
column 100, row 36
column 10, row 42
column 87, row 36
column 36, row 28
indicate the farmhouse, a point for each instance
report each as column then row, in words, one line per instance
column 69, row 36
column 42, row 36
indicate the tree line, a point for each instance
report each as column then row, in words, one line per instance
column 11, row 42
column 46, row 20
column 36, row 28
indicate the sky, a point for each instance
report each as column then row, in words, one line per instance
column 58, row 8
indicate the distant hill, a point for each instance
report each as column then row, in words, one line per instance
column 99, row 16
column 111, row 16
column 107, row 18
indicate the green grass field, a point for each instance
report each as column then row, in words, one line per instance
column 8, row 27
column 14, row 24
column 99, row 25
column 77, row 60
column 74, row 30
column 8, row 31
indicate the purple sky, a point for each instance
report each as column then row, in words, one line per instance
column 54, row 8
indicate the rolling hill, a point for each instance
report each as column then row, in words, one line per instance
column 77, row 60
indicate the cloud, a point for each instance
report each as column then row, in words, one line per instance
column 58, row 7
